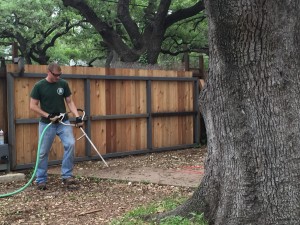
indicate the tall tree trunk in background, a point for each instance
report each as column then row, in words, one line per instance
column 251, row 105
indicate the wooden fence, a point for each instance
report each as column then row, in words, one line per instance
column 129, row 111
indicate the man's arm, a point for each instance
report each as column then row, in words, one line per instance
column 34, row 106
column 72, row 106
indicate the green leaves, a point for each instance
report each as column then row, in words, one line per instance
column 36, row 25
column 47, row 30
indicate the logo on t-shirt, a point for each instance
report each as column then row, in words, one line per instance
column 60, row 91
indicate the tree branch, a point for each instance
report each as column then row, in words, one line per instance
column 162, row 13
column 68, row 27
column 88, row 13
column 109, row 35
column 129, row 25
column 184, row 13
column 198, row 50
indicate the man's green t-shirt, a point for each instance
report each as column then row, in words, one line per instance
column 51, row 96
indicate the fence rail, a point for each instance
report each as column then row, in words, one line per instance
column 128, row 112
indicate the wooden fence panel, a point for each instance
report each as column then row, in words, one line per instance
column 121, row 119
column 172, row 131
column 175, row 97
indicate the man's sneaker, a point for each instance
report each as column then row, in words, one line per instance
column 70, row 183
column 42, row 186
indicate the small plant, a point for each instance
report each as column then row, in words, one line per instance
column 29, row 173
column 72, row 198
column 145, row 182
column 96, row 179
column 174, row 220
column 79, row 177
column 143, row 59
column 135, row 216
column 197, row 146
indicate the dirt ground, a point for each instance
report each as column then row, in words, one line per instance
column 104, row 193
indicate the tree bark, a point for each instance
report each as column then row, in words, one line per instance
column 251, row 110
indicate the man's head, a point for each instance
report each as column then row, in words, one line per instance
column 54, row 72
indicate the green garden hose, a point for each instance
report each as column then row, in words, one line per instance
column 35, row 168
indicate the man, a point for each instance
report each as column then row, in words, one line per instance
column 48, row 98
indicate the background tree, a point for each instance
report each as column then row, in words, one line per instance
column 82, row 46
column 54, row 32
column 189, row 35
column 36, row 30
column 251, row 109
column 132, row 37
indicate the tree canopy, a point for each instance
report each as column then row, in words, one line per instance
column 36, row 31
column 136, row 29
column 91, row 29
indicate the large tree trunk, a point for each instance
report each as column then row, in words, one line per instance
column 252, row 113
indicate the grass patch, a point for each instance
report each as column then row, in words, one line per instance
column 135, row 216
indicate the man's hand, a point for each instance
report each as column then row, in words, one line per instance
column 53, row 117
column 79, row 122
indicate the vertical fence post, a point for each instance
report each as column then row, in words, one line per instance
column 197, row 114
column 11, row 119
column 3, row 97
column 87, row 109
column 149, row 117
column 3, row 104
